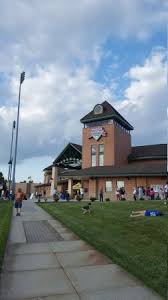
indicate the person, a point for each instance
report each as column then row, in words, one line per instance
column 56, row 195
column 166, row 191
column 122, row 193
column 161, row 193
column 146, row 213
column 81, row 192
column 87, row 209
column 148, row 193
column 117, row 194
column 18, row 201
column 44, row 195
column 67, row 196
column 140, row 193
column 152, row 194
column 39, row 196
column 101, row 194
column 135, row 193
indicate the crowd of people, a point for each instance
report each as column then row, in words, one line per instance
column 149, row 193
column 5, row 194
column 140, row 193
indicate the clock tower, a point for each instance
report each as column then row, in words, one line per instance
column 106, row 137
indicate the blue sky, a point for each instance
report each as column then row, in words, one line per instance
column 74, row 58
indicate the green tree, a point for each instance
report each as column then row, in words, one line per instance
column 2, row 180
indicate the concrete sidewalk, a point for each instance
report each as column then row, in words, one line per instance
column 44, row 260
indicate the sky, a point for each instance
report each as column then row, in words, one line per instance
column 77, row 54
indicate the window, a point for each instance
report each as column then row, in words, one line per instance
column 108, row 186
column 101, row 155
column 156, row 187
column 120, row 184
column 93, row 155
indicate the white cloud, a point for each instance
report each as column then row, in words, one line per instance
column 34, row 32
column 52, row 102
column 145, row 103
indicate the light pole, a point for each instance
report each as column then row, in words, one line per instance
column 10, row 157
column 22, row 77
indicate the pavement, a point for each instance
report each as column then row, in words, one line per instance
column 45, row 260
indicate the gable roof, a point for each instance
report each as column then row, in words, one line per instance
column 49, row 168
column 158, row 151
column 76, row 147
column 109, row 112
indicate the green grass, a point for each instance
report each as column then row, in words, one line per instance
column 139, row 245
column 5, row 217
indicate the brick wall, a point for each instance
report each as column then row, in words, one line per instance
column 117, row 146
column 122, row 145
column 129, row 183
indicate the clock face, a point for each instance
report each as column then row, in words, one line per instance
column 98, row 109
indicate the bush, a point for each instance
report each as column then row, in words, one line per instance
column 92, row 199
column 56, row 198
column 78, row 198
column 141, row 198
column 107, row 199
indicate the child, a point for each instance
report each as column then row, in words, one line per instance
column 146, row 213
column 86, row 209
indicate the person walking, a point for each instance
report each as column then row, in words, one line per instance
column 101, row 194
column 18, row 201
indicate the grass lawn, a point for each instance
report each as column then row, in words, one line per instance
column 5, row 217
column 137, row 244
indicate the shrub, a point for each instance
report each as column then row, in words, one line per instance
column 141, row 198
column 78, row 198
column 107, row 199
column 92, row 199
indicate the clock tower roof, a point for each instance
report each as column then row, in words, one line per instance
column 105, row 111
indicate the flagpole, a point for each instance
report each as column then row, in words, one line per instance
column 22, row 77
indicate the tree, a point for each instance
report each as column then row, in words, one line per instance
column 2, row 181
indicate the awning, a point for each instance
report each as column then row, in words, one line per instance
column 77, row 186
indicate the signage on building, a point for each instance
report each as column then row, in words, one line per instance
column 97, row 132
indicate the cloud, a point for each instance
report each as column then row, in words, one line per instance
column 40, row 33
column 145, row 102
column 52, row 103
column 54, row 100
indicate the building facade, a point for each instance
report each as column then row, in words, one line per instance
column 28, row 188
column 107, row 158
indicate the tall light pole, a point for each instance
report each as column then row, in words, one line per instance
column 22, row 77
column 10, row 157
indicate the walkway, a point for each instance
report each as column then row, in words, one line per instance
column 44, row 260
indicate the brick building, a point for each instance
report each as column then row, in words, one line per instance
column 108, row 159
column 27, row 187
